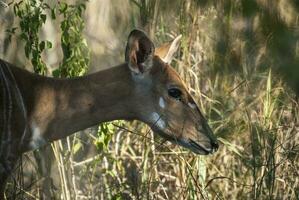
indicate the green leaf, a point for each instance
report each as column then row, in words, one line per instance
column 24, row 36
column 77, row 147
column 42, row 45
column 110, row 127
column 43, row 18
column 34, row 63
column 53, row 13
column 63, row 7
column 48, row 44
column 27, row 50
column 56, row 73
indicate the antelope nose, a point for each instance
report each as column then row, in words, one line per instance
column 215, row 146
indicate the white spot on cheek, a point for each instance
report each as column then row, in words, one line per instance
column 156, row 119
column 161, row 103
column 37, row 139
column 192, row 105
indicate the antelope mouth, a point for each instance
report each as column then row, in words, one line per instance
column 200, row 148
column 195, row 147
column 188, row 144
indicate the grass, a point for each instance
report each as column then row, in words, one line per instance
column 250, row 107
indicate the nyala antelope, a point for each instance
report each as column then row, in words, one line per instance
column 37, row 110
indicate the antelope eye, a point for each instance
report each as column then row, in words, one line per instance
column 175, row 93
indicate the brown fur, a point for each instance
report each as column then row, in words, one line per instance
column 56, row 108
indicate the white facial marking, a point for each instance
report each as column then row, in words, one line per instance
column 37, row 139
column 161, row 102
column 156, row 119
column 192, row 105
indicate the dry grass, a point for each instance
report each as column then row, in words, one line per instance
column 229, row 63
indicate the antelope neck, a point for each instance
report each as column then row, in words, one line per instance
column 59, row 107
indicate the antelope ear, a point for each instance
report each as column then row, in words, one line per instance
column 167, row 50
column 139, row 52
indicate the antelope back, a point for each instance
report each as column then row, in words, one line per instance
column 12, row 116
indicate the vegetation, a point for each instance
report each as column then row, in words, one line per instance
column 240, row 60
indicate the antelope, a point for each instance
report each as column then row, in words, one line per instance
column 36, row 110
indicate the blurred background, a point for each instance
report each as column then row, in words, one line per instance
column 239, row 59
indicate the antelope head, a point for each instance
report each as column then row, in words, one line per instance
column 164, row 102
